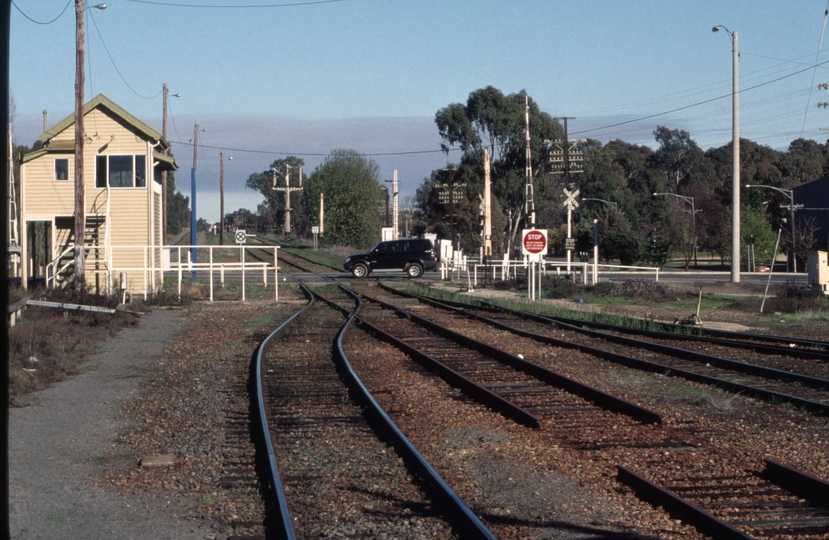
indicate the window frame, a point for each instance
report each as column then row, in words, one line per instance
column 57, row 178
column 137, row 171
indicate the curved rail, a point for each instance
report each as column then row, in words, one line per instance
column 454, row 509
column 273, row 488
column 458, row 513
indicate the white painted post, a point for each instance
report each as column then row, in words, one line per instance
column 275, row 275
column 242, row 260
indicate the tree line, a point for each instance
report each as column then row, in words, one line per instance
column 619, row 180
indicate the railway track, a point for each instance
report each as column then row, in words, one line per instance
column 777, row 502
column 726, row 494
column 295, row 263
column 334, row 475
column 777, row 374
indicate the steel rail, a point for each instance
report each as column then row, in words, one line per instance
column 716, row 361
column 286, row 247
column 805, row 348
column 472, row 389
column 704, row 333
column 797, row 483
column 282, row 526
column 806, row 486
column 466, row 523
column 644, row 365
column 553, row 378
column 679, row 508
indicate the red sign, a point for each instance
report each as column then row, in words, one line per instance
column 535, row 241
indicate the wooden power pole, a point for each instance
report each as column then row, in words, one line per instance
column 80, row 195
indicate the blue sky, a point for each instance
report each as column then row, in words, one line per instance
column 268, row 80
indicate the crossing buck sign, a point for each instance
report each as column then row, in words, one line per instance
column 570, row 201
column 534, row 241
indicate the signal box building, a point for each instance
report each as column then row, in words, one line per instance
column 123, row 160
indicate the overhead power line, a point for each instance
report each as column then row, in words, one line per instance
column 697, row 104
column 42, row 22
column 817, row 56
column 314, row 154
column 234, row 6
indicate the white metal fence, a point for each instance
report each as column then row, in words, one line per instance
column 177, row 260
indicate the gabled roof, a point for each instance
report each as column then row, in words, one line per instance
column 101, row 101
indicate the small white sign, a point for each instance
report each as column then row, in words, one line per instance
column 241, row 236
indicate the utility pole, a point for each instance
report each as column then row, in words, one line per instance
column 193, row 235
column 452, row 209
column 394, row 206
column 322, row 214
column 165, row 93
column 80, row 194
column 735, row 153
column 287, row 189
column 222, row 197
column 735, row 159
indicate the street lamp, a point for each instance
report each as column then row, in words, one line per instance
column 693, row 212
column 792, row 207
column 612, row 203
column 735, row 149
column 165, row 94
column 80, row 193
column 222, row 196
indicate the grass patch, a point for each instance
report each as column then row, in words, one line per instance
column 59, row 340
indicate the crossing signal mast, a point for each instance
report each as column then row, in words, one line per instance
column 529, row 202
column 565, row 157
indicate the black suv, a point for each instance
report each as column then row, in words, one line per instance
column 414, row 255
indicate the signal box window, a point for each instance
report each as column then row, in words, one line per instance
column 121, row 171
column 61, row 169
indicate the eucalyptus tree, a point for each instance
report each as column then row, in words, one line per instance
column 677, row 155
column 806, row 160
column 496, row 122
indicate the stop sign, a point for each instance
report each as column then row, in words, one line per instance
column 534, row 241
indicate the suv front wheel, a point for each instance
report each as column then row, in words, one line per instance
column 415, row 270
column 359, row 271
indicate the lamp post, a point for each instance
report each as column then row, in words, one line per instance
column 790, row 195
column 80, row 193
column 165, row 93
column 693, row 212
column 610, row 203
column 222, row 197
column 735, row 148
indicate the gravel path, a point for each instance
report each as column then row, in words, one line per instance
column 65, row 437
